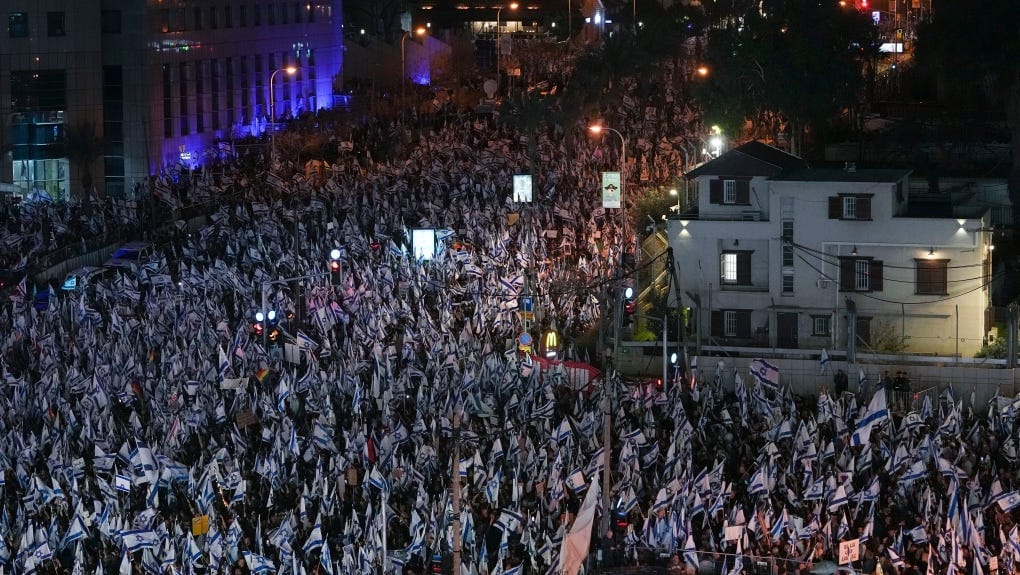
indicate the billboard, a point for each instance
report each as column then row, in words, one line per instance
column 522, row 188
column 423, row 243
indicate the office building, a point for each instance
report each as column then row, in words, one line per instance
column 160, row 82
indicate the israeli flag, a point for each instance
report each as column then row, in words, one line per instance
column 138, row 539
column 258, row 564
column 575, row 482
column 314, row 540
column 691, row 553
column 75, row 532
column 916, row 471
column 779, row 526
column 877, row 414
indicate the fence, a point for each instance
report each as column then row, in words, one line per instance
column 977, row 379
column 649, row 561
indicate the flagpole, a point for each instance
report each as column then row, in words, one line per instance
column 456, row 494
column 385, row 557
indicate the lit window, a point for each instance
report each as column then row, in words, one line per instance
column 729, row 268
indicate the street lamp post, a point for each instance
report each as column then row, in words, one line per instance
column 290, row 71
column 403, row 64
column 512, row 6
column 607, row 429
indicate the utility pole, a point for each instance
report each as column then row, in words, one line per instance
column 456, row 494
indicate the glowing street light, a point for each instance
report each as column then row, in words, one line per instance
column 419, row 31
column 512, row 6
column 702, row 71
column 290, row 71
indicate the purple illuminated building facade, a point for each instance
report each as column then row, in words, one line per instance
column 161, row 82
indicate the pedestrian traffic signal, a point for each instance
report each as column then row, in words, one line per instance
column 334, row 267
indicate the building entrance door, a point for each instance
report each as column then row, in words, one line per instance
column 786, row 327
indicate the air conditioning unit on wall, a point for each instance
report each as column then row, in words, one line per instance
column 823, row 283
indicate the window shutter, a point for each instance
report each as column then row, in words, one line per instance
column 744, row 191
column 744, row 323
column 744, row 269
column 715, row 191
column 835, row 208
column 863, row 208
column 717, row 323
column 846, row 274
column 876, row 275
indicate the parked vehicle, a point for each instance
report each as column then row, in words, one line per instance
column 79, row 279
column 130, row 254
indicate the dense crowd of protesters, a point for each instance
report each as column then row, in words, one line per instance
column 147, row 425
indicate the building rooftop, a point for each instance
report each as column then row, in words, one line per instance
column 842, row 175
column 751, row 159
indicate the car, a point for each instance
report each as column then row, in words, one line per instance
column 79, row 279
column 130, row 254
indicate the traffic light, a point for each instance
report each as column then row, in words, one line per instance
column 265, row 325
column 629, row 305
column 334, row 267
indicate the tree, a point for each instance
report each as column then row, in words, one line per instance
column 379, row 17
column 792, row 63
column 83, row 147
column 974, row 50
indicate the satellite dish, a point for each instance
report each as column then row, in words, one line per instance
column 490, row 88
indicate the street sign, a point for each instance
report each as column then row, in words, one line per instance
column 849, row 551
column 527, row 308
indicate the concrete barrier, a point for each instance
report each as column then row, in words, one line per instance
column 983, row 379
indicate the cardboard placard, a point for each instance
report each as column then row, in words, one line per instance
column 199, row 525
column 849, row 551
column 245, row 418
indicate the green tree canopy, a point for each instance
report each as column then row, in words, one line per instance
column 797, row 63
column 975, row 52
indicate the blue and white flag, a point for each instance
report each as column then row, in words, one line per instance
column 562, row 432
column 193, row 553
column 575, row 482
column 326, row 559
column 376, row 479
column 876, row 415
column 1008, row 501
column 765, row 373
column 314, row 540
column 76, row 531
column 509, row 521
column 138, row 539
column 823, row 362
column 896, row 560
column 258, row 564
column 691, row 553
column 779, row 527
